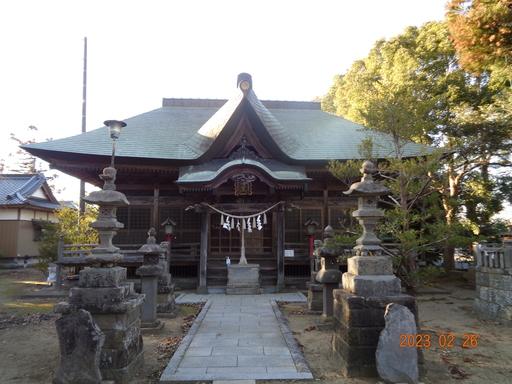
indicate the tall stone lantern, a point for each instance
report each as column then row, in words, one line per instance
column 369, row 286
column 102, row 288
column 369, row 273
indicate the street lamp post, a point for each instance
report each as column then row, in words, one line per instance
column 115, row 127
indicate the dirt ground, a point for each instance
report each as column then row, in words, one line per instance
column 29, row 348
column 440, row 314
column 28, row 339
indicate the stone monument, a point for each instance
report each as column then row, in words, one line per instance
column 329, row 274
column 80, row 342
column 149, row 273
column 243, row 279
column 104, row 293
column 396, row 363
column 369, row 286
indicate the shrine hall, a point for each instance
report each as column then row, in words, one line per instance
column 236, row 177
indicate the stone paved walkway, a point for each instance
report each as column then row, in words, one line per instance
column 238, row 338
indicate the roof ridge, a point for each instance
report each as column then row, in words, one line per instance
column 35, row 181
column 18, row 174
column 217, row 103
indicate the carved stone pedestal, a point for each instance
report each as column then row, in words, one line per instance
column 116, row 309
column 243, row 279
column 315, row 297
column 148, row 282
column 358, row 321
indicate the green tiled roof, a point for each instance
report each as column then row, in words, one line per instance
column 184, row 130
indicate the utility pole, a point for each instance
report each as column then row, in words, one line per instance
column 84, row 121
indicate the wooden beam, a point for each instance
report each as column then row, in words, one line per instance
column 156, row 193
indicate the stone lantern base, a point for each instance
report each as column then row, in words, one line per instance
column 358, row 321
column 116, row 309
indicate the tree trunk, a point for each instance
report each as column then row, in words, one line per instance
column 449, row 250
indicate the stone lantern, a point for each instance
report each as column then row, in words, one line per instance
column 103, row 291
column 329, row 274
column 369, row 286
column 369, row 273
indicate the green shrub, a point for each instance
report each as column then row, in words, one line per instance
column 72, row 227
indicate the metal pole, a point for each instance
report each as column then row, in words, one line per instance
column 113, row 153
column 84, row 120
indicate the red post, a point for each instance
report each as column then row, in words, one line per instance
column 311, row 245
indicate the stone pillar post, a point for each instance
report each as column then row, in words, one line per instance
column 166, row 301
column 368, row 287
column 104, row 293
column 149, row 273
column 203, row 256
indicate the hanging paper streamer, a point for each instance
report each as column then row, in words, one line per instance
column 258, row 223
column 249, row 222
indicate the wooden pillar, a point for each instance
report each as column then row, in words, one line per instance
column 156, row 194
column 280, row 246
column 203, row 255
column 326, row 209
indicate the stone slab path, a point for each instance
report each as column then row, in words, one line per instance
column 238, row 338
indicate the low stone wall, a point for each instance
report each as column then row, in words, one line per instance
column 494, row 294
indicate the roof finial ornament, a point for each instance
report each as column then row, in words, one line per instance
column 244, row 82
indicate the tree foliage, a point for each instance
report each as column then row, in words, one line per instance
column 412, row 88
column 72, row 227
column 482, row 33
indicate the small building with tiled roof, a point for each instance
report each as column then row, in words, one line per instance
column 240, row 155
column 26, row 201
